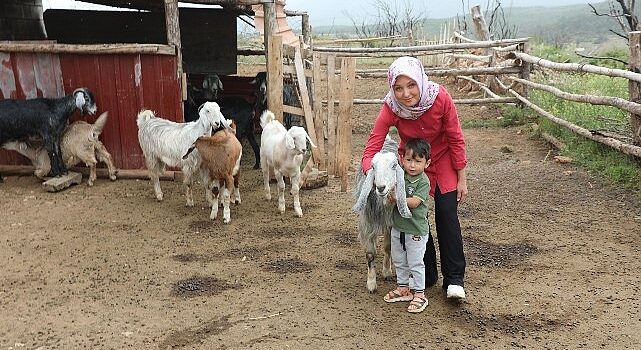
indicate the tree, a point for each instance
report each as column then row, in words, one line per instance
column 623, row 12
column 390, row 19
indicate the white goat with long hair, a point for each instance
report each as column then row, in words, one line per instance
column 281, row 154
column 164, row 142
column 386, row 178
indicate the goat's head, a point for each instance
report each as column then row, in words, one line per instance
column 211, row 86
column 260, row 84
column 296, row 139
column 386, row 175
column 210, row 111
column 85, row 101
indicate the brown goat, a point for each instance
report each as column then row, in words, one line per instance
column 79, row 143
column 221, row 155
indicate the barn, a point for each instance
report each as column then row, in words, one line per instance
column 140, row 55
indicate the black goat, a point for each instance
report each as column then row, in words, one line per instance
column 235, row 108
column 290, row 98
column 44, row 117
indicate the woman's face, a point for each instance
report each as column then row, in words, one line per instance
column 406, row 91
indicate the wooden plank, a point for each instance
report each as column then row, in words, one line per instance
column 331, row 117
column 344, row 126
column 90, row 49
column 26, row 76
column 309, row 116
column 318, row 117
column 275, row 76
column 56, row 184
column 293, row 110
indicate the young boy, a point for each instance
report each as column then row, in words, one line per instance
column 409, row 236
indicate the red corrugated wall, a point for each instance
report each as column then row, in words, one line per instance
column 122, row 83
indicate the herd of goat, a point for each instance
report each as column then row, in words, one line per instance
column 205, row 145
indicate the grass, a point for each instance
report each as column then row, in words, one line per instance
column 619, row 168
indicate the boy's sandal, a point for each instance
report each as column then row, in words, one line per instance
column 418, row 304
column 397, row 295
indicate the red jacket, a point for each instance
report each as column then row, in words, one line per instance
column 440, row 126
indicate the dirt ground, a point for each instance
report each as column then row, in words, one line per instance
column 552, row 263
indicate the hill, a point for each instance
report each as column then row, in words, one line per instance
column 554, row 25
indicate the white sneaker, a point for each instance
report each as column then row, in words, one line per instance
column 455, row 292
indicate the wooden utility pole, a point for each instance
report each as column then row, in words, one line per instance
column 483, row 34
column 173, row 32
column 633, row 86
column 275, row 76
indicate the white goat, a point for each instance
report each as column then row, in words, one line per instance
column 220, row 155
column 78, row 143
column 386, row 178
column 164, row 142
column 281, row 153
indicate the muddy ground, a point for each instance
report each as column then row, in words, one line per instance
column 552, row 251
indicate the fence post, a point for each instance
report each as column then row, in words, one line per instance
column 526, row 68
column 344, row 127
column 275, row 76
column 634, row 87
column 332, row 153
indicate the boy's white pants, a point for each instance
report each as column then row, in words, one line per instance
column 409, row 260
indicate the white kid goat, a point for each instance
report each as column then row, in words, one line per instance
column 164, row 142
column 281, row 154
column 384, row 179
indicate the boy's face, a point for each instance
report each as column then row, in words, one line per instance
column 414, row 165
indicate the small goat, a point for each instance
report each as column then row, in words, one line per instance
column 79, row 143
column 164, row 142
column 281, row 153
column 46, row 118
column 220, row 155
column 386, row 178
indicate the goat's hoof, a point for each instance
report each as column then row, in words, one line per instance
column 90, row 183
column 299, row 214
column 226, row 221
column 112, row 177
column 190, row 203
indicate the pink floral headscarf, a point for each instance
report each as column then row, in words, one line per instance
column 411, row 68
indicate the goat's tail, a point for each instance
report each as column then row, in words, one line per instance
column 144, row 115
column 96, row 128
column 266, row 117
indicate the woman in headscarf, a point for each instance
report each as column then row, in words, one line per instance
column 420, row 108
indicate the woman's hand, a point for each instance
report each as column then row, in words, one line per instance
column 461, row 186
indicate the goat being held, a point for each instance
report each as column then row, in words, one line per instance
column 385, row 179
column 79, row 143
column 164, row 142
column 46, row 118
column 281, row 154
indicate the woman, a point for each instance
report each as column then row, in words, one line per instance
column 419, row 108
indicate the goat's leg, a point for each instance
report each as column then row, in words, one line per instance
column 53, row 149
column 294, row 181
column 281, row 191
column 188, row 181
column 227, row 190
column 268, row 194
column 103, row 155
column 255, row 148
column 236, row 188
column 214, row 188
column 91, row 163
column 371, row 271
column 204, row 177
column 387, row 256
column 154, row 166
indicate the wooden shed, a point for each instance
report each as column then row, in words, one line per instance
column 130, row 59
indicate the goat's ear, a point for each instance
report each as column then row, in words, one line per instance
column 401, row 199
column 366, row 188
column 220, row 84
column 80, row 99
column 289, row 141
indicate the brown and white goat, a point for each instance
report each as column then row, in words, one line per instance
column 79, row 143
column 220, row 154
